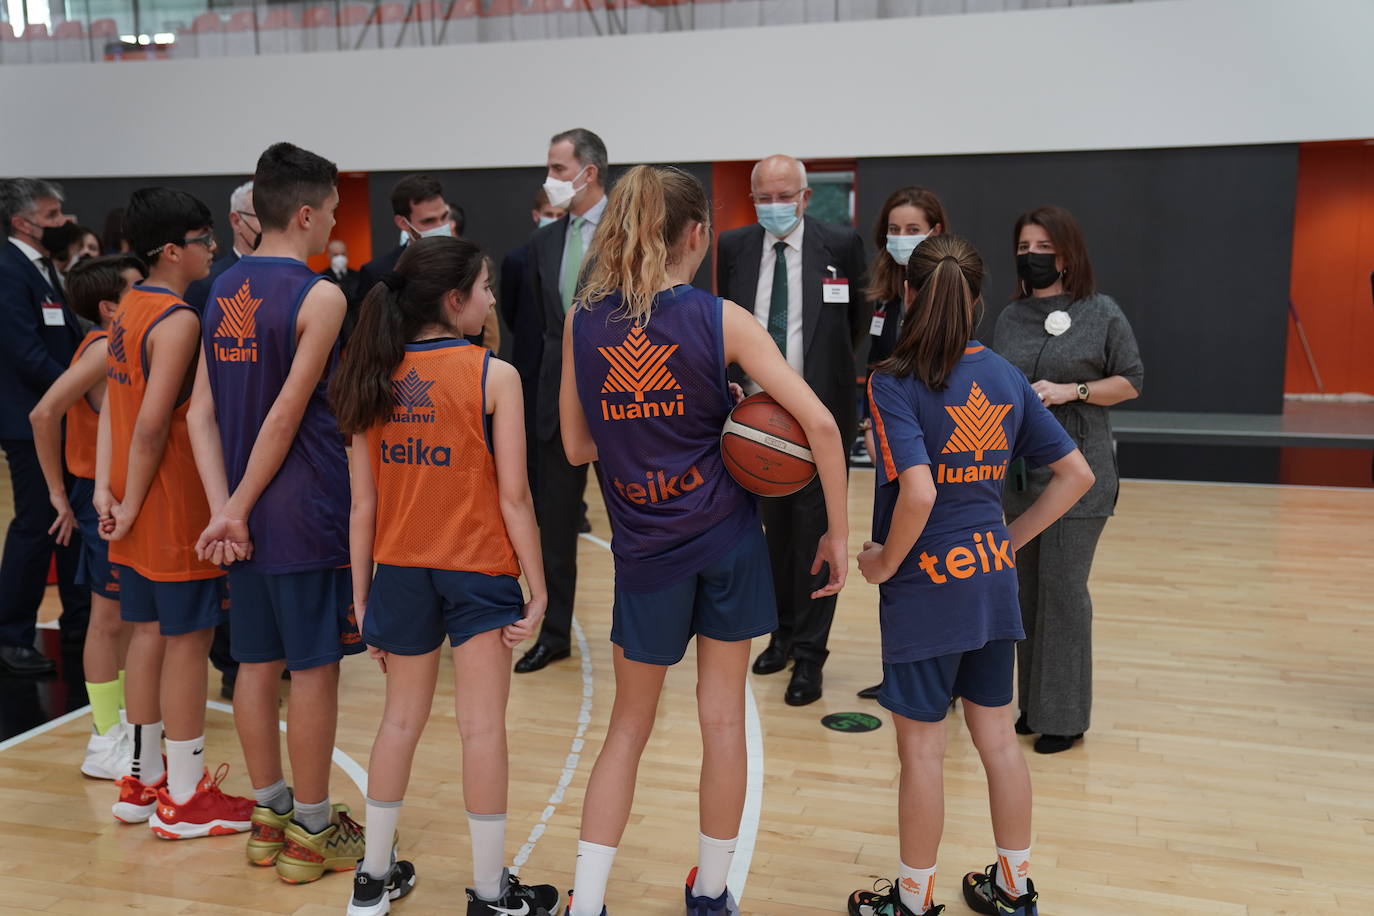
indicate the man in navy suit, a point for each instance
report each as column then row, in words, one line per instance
column 39, row 336
column 419, row 210
column 243, row 222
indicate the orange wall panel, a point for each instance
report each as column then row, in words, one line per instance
column 353, row 224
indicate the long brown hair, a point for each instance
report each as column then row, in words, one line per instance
column 396, row 310
column 1067, row 239
column 947, row 274
column 886, row 275
column 649, row 211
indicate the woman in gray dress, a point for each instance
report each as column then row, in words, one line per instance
column 1079, row 353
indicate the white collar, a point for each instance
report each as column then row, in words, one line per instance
column 33, row 254
column 793, row 240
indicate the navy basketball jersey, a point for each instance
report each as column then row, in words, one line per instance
column 656, row 399
column 301, row 520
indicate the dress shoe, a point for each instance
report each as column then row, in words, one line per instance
column 226, row 685
column 870, row 693
column 805, row 686
column 539, row 657
column 25, row 661
column 771, row 660
column 1022, row 726
column 1053, row 744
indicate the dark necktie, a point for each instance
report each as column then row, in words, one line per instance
column 777, row 305
column 50, row 274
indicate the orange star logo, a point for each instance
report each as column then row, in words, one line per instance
column 638, row 366
column 978, row 426
column 239, row 321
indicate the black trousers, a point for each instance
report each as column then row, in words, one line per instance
column 28, row 550
column 794, row 525
column 559, row 509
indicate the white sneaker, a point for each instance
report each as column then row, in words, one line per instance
column 109, row 756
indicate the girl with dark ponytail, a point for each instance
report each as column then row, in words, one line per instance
column 441, row 504
column 948, row 417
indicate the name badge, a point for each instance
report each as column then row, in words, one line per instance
column 875, row 327
column 52, row 315
column 835, row 291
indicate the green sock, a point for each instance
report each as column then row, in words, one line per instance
column 121, row 688
column 104, row 704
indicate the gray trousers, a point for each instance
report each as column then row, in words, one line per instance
column 1054, row 663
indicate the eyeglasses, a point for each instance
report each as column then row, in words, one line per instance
column 207, row 239
column 789, row 197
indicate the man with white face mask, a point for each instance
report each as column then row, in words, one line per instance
column 804, row 281
column 419, row 211
column 576, row 180
column 348, row 280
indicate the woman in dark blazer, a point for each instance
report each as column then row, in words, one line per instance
column 1080, row 355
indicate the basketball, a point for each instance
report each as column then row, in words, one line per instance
column 765, row 449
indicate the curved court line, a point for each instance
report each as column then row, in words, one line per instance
column 344, row 762
column 753, row 790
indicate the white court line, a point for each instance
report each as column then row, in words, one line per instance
column 753, row 792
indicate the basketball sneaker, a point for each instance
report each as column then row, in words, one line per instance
column 709, row 906
column 570, row 899
column 984, row 895
column 136, row 801
column 267, row 835
column 306, row 856
column 884, row 900
column 209, row 812
column 518, row 900
column 110, row 755
column 373, row 896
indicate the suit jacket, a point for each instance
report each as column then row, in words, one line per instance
column 198, row 292
column 32, row 354
column 830, row 332
column 545, row 267
column 370, row 274
column 523, row 316
column 350, row 284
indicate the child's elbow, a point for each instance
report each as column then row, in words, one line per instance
column 40, row 416
column 1085, row 478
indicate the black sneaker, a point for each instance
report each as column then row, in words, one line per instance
column 884, row 900
column 517, row 900
column 983, row 895
column 373, row 896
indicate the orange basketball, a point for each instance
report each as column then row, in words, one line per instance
column 765, row 449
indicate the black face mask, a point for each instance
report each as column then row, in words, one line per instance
column 1037, row 269
column 56, row 239
column 257, row 240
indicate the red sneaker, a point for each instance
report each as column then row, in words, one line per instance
column 208, row 813
column 136, row 801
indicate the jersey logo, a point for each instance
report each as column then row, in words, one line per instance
column 117, row 342
column 412, row 392
column 240, row 325
column 638, row 367
column 978, row 426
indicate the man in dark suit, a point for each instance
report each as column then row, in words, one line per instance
column 247, row 233
column 39, row 338
column 804, row 280
column 577, row 172
column 419, row 210
column 348, row 280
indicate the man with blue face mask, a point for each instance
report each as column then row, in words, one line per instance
column 419, row 211
column 804, row 280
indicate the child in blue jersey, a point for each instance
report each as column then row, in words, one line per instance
column 644, row 393
column 273, row 463
column 948, row 417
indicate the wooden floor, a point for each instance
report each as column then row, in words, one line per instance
column 1229, row 770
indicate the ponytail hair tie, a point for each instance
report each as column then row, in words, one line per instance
column 394, row 281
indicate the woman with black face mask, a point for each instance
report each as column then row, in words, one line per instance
column 1077, row 349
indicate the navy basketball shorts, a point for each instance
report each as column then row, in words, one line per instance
column 730, row 600
column 176, row 607
column 303, row 618
column 410, row 609
column 923, row 690
column 93, row 568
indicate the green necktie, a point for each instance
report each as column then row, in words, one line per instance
column 572, row 263
column 777, row 306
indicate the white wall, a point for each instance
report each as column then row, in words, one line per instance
column 1159, row 74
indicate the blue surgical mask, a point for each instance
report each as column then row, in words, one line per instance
column 443, row 229
column 901, row 246
column 778, row 219
column 547, row 220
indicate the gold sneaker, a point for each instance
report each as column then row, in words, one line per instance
column 267, row 836
column 305, row 857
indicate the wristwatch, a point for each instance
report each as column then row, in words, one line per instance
column 1082, row 391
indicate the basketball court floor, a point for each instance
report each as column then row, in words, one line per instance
column 1229, row 769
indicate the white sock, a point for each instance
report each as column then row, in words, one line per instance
column 589, row 881
column 1013, row 868
column 917, row 887
column 381, row 837
column 488, row 832
column 147, row 765
column 713, row 865
column 185, row 767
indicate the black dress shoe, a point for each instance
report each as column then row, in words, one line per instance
column 1053, row 744
column 226, row 686
column 870, row 693
column 1022, row 727
column 771, row 660
column 539, row 657
column 805, row 686
column 25, row 661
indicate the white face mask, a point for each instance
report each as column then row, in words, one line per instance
column 339, row 263
column 561, row 193
column 443, row 229
column 546, row 221
column 901, row 246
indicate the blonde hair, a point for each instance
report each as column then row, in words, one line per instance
column 648, row 212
